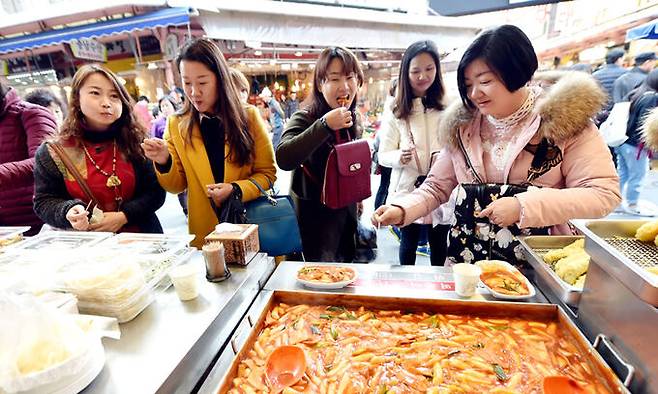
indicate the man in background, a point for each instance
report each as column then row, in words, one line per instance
column 292, row 105
column 606, row 76
column 644, row 63
column 276, row 115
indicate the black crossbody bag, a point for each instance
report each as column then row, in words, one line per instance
column 473, row 238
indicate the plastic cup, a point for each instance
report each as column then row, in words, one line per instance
column 466, row 277
column 186, row 281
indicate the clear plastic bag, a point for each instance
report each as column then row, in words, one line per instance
column 40, row 346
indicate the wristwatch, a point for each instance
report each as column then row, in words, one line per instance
column 324, row 123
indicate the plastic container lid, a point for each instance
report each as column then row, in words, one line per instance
column 104, row 281
column 153, row 245
column 62, row 240
column 123, row 300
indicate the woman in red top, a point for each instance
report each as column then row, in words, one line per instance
column 100, row 142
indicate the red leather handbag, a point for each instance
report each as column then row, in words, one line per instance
column 346, row 174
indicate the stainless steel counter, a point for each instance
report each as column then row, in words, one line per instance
column 388, row 280
column 169, row 346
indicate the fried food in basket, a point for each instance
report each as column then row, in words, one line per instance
column 580, row 282
column 553, row 256
column 570, row 263
column 572, row 266
column 648, row 231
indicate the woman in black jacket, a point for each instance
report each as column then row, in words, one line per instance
column 100, row 140
column 632, row 159
column 327, row 234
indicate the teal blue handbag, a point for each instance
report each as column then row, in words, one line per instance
column 278, row 230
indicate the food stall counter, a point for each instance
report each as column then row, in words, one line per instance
column 169, row 346
column 389, row 280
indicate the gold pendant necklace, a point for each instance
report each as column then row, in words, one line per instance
column 113, row 179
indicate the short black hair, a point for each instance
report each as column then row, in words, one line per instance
column 45, row 98
column 613, row 55
column 507, row 51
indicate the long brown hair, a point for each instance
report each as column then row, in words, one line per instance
column 405, row 95
column 315, row 104
column 131, row 132
column 228, row 106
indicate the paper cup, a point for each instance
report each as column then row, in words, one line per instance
column 466, row 277
column 186, row 281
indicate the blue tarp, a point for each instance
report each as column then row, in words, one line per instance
column 647, row 30
column 160, row 18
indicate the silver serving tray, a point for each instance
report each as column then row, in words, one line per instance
column 534, row 246
column 220, row 377
column 612, row 245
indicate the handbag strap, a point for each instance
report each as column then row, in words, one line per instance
column 310, row 175
column 411, row 137
column 468, row 159
column 271, row 199
column 339, row 139
column 66, row 160
column 536, row 166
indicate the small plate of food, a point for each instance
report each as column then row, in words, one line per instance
column 504, row 281
column 326, row 276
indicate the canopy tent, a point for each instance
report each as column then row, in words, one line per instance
column 160, row 18
column 647, row 30
column 325, row 31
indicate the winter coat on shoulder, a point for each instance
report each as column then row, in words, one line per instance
column 22, row 128
column 650, row 131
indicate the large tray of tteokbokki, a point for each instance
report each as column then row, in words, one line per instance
column 364, row 344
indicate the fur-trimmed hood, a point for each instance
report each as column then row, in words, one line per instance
column 566, row 108
column 650, row 130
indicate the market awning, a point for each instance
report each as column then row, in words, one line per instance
column 647, row 30
column 373, row 31
column 160, row 18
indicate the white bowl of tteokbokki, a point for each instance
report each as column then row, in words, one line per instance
column 504, row 281
column 365, row 344
column 326, row 276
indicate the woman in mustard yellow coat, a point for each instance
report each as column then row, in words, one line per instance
column 215, row 144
